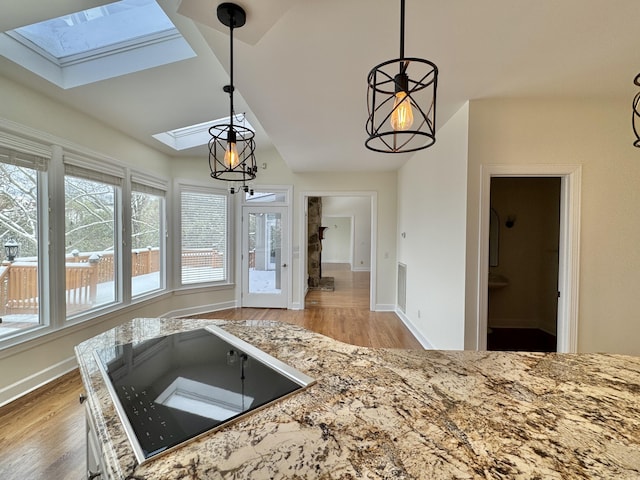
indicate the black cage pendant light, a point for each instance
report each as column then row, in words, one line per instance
column 232, row 147
column 401, row 98
column 635, row 121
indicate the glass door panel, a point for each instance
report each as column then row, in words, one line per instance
column 264, row 261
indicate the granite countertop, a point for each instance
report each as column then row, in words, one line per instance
column 382, row 413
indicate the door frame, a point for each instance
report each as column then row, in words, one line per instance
column 287, row 191
column 303, row 238
column 569, row 247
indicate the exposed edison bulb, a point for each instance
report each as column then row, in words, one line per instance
column 402, row 115
column 231, row 155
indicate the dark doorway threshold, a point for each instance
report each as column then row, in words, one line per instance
column 521, row 340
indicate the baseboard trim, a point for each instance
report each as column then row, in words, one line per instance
column 360, row 269
column 385, row 307
column 414, row 331
column 212, row 307
column 26, row 385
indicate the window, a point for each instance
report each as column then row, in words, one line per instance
column 199, row 134
column 64, row 258
column 267, row 197
column 21, row 177
column 84, row 32
column 99, row 43
column 147, row 239
column 91, row 243
column 204, row 255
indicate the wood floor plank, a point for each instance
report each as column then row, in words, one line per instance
column 42, row 435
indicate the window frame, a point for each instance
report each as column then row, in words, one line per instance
column 51, row 233
column 139, row 181
column 85, row 167
column 183, row 185
column 40, row 163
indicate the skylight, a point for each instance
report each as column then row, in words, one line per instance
column 96, row 28
column 81, row 46
column 197, row 135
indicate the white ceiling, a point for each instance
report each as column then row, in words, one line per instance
column 301, row 66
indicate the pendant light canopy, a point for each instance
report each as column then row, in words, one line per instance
column 401, row 98
column 232, row 147
column 635, row 121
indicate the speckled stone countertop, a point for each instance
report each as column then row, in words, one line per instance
column 401, row 414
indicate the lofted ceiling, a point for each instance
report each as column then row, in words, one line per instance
column 301, row 66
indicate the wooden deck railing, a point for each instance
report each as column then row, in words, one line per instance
column 22, row 288
column 83, row 273
column 19, row 287
column 202, row 258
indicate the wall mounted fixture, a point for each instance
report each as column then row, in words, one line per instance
column 401, row 99
column 232, row 147
column 510, row 222
column 635, row 121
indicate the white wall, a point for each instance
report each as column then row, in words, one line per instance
column 24, row 106
column 360, row 209
column 336, row 244
column 596, row 134
column 431, row 235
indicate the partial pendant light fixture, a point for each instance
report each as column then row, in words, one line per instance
column 401, row 98
column 232, row 147
column 635, row 120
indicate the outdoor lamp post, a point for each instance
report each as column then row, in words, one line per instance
column 11, row 250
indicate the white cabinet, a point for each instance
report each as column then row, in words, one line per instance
column 94, row 453
column 95, row 462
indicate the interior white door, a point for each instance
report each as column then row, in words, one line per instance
column 265, row 253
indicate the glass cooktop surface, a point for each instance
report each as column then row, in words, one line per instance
column 172, row 389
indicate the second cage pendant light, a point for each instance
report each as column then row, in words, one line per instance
column 401, row 98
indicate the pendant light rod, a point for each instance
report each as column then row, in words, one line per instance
column 402, row 29
column 231, row 87
column 232, row 16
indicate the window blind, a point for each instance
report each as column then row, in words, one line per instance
column 93, row 169
column 144, row 183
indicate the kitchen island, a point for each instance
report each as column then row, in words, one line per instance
column 383, row 413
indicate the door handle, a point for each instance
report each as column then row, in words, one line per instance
column 284, row 265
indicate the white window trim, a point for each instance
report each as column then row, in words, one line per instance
column 286, row 189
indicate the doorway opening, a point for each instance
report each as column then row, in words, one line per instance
column 338, row 241
column 524, row 245
column 568, row 247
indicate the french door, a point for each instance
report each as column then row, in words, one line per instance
column 265, row 250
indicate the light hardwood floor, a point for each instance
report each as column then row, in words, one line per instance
column 42, row 434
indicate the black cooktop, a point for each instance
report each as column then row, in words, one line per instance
column 172, row 389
